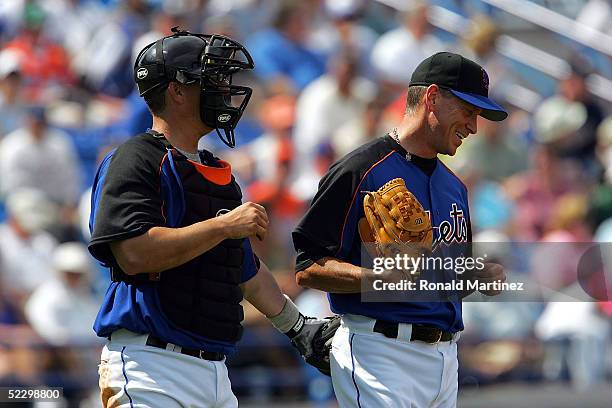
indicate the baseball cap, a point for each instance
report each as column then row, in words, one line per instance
column 32, row 210
column 72, row 257
column 466, row 79
column 9, row 63
column 343, row 9
column 557, row 118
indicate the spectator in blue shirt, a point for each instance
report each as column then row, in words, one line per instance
column 282, row 59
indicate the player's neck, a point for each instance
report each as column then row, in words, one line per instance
column 181, row 134
column 413, row 136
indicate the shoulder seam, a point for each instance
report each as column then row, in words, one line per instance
column 163, row 211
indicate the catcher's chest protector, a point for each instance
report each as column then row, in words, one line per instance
column 202, row 296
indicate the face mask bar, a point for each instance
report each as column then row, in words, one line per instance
column 226, row 56
column 222, row 58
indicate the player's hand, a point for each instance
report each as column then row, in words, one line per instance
column 314, row 339
column 492, row 272
column 247, row 220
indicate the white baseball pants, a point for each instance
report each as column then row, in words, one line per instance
column 133, row 375
column 370, row 370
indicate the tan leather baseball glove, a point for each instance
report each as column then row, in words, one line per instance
column 395, row 221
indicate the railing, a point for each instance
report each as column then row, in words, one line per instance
column 524, row 53
column 527, row 54
column 557, row 23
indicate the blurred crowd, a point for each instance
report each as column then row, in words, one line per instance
column 330, row 75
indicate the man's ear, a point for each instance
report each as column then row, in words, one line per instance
column 432, row 96
column 176, row 92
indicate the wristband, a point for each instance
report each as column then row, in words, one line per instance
column 289, row 320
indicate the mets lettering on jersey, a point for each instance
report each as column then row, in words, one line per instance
column 455, row 230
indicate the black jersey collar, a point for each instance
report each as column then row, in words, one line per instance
column 427, row 166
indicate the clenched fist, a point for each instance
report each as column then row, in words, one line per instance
column 247, row 220
column 492, row 272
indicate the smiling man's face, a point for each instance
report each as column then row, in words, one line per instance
column 453, row 121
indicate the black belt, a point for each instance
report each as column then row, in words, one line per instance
column 420, row 332
column 203, row 354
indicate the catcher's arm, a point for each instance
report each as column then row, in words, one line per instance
column 162, row 248
column 263, row 292
column 311, row 336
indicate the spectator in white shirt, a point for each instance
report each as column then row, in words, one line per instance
column 325, row 104
column 25, row 248
column 63, row 308
column 397, row 52
column 39, row 157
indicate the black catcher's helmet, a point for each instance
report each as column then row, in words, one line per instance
column 210, row 60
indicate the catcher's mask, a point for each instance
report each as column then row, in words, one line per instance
column 209, row 60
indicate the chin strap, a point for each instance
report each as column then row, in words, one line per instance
column 229, row 139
